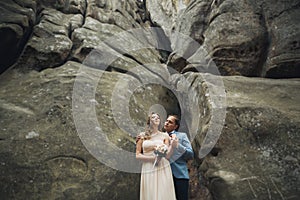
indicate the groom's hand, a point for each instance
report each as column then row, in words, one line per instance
column 174, row 140
column 137, row 138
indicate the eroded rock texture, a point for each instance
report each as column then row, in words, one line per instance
column 244, row 37
column 256, row 156
column 80, row 74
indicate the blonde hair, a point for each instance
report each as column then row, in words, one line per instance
column 148, row 131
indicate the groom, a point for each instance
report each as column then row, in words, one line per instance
column 182, row 153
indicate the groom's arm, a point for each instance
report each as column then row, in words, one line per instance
column 185, row 148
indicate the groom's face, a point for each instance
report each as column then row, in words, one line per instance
column 170, row 124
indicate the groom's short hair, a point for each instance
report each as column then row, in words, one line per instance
column 177, row 120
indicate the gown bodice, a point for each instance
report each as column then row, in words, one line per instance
column 155, row 140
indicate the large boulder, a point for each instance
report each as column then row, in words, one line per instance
column 50, row 42
column 257, row 153
column 16, row 22
column 44, row 153
column 249, row 38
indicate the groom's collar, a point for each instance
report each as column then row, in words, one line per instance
column 172, row 132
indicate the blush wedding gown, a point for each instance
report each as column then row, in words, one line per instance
column 156, row 181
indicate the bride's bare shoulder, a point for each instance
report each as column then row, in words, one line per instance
column 165, row 134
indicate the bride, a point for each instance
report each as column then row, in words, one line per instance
column 156, row 176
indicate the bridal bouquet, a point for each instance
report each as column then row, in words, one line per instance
column 160, row 151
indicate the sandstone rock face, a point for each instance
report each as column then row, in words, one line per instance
column 50, row 42
column 84, row 74
column 244, row 37
column 256, row 155
column 42, row 154
column 17, row 19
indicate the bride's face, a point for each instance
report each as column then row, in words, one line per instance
column 154, row 120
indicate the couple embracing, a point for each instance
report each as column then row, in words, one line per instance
column 164, row 155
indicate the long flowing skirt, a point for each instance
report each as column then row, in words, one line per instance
column 157, row 182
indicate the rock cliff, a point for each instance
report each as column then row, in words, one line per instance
column 78, row 78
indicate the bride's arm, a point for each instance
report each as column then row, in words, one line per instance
column 140, row 156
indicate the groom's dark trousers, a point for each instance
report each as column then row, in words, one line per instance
column 181, row 188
